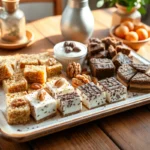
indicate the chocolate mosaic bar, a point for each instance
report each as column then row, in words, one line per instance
column 115, row 91
column 125, row 73
column 91, row 95
column 69, row 104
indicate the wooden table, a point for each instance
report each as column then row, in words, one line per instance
column 128, row 130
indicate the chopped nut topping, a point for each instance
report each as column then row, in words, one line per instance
column 36, row 86
column 41, row 95
column 18, row 102
column 52, row 61
column 59, row 82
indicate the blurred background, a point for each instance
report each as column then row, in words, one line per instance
column 37, row 10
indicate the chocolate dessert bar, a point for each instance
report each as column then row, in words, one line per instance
column 69, row 104
column 111, row 41
column 125, row 73
column 92, row 96
column 141, row 67
column 121, row 59
column 140, row 83
column 112, row 51
column 102, row 68
column 115, row 91
column 123, row 49
column 43, row 106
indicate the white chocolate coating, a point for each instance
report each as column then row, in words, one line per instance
column 41, row 109
column 55, row 91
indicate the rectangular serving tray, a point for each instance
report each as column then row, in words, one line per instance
column 22, row 133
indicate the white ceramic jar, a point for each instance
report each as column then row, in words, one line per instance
column 65, row 58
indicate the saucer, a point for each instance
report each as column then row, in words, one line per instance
column 20, row 44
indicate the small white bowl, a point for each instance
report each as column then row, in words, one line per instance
column 66, row 58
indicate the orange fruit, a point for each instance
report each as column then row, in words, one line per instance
column 129, row 24
column 121, row 31
column 148, row 32
column 142, row 33
column 140, row 25
column 132, row 36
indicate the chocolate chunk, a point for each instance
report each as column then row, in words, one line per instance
column 95, row 40
column 66, row 44
column 68, row 49
column 112, row 51
column 111, row 41
column 123, row 49
column 76, row 49
column 141, row 67
column 102, row 68
column 72, row 44
column 121, row 59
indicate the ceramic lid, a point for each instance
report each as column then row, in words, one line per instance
column 59, row 51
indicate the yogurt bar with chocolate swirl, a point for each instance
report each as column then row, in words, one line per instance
column 69, row 103
column 115, row 91
column 92, row 96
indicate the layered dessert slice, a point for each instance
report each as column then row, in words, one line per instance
column 92, row 96
column 15, row 83
column 121, row 59
column 140, row 83
column 18, row 109
column 6, row 70
column 141, row 67
column 59, row 86
column 35, row 74
column 125, row 73
column 69, row 104
column 43, row 106
column 102, row 68
column 115, row 91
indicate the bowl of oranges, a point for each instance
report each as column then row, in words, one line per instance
column 135, row 35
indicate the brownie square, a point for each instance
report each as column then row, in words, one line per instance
column 121, row 59
column 102, row 68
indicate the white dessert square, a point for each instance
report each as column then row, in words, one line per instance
column 69, row 104
column 92, row 96
column 63, row 88
column 115, row 91
column 41, row 109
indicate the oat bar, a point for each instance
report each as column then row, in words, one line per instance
column 35, row 74
column 16, row 83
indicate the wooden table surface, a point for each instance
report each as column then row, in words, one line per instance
column 128, row 130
